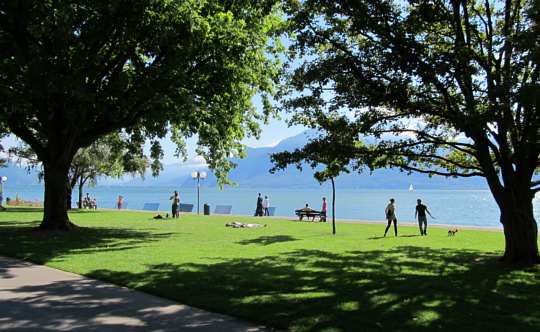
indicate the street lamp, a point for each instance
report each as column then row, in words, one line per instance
column 2, row 180
column 198, row 175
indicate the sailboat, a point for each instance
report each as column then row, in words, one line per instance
column 411, row 188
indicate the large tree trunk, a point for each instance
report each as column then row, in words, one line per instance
column 68, row 197
column 55, row 214
column 520, row 229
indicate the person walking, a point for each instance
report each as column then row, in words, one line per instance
column 420, row 213
column 259, row 208
column 175, row 205
column 390, row 212
column 323, row 210
column 266, row 205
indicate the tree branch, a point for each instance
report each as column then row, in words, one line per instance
column 448, row 174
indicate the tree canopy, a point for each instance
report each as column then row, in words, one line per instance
column 72, row 72
column 447, row 87
column 108, row 156
column 328, row 150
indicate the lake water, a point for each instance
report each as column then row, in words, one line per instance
column 454, row 207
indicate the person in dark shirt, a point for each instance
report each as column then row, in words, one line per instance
column 420, row 213
column 259, row 210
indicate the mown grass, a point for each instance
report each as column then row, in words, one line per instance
column 292, row 275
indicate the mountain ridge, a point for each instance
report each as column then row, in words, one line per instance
column 253, row 171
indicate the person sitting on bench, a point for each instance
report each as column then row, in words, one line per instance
column 308, row 212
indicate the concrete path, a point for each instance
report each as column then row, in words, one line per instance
column 39, row 298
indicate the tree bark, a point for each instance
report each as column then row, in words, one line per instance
column 81, row 191
column 55, row 207
column 333, row 206
column 68, row 197
column 520, row 230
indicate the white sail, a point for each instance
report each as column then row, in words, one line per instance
column 411, row 188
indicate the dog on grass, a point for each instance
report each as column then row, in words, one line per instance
column 452, row 231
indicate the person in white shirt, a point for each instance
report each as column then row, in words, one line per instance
column 390, row 212
column 266, row 205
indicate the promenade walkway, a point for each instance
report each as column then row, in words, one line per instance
column 39, row 298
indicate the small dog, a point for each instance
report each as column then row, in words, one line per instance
column 452, row 231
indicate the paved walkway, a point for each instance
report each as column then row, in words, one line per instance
column 39, row 298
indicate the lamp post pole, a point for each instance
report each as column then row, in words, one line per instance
column 198, row 175
column 2, row 180
column 198, row 191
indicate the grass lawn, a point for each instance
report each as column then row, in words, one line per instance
column 293, row 275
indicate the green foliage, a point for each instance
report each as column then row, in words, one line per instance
column 74, row 71
column 105, row 157
column 445, row 87
column 328, row 151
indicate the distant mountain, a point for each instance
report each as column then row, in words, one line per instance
column 253, row 171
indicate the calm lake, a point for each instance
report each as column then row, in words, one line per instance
column 454, row 207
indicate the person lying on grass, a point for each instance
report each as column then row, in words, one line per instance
column 236, row 224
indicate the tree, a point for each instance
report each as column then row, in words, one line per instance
column 447, row 87
column 106, row 157
column 328, row 150
column 74, row 71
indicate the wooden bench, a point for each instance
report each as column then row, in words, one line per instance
column 309, row 214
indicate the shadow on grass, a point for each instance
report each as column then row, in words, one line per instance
column 401, row 289
column 23, row 240
column 268, row 240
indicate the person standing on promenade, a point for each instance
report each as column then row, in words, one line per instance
column 259, row 208
column 175, row 205
column 420, row 212
column 120, row 202
column 323, row 210
column 266, row 205
column 390, row 212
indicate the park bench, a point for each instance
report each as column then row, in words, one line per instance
column 223, row 209
column 150, row 206
column 309, row 214
column 185, row 207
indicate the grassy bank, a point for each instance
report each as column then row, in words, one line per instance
column 293, row 275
